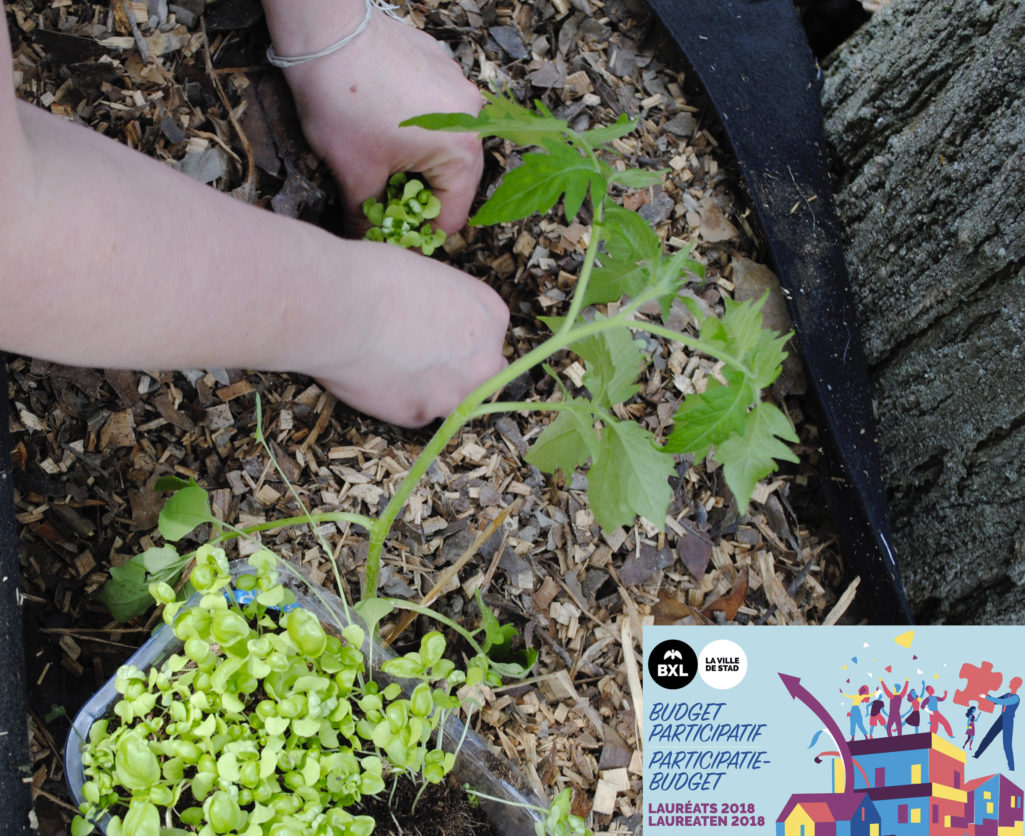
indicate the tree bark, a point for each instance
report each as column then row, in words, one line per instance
column 925, row 106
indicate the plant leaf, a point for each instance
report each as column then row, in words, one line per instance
column 638, row 178
column 605, row 134
column 629, row 477
column 188, row 508
column 172, row 483
column 159, row 560
column 126, row 594
column 536, row 185
column 632, row 252
column 740, row 340
column 705, row 420
column 501, row 116
column 567, row 442
column 372, row 610
column 749, row 457
column 613, row 361
column 670, row 276
column 496, row 634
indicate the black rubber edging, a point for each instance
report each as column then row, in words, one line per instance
column 753, row 60
column 15, row 766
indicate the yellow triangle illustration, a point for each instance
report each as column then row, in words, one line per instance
column 905, row 639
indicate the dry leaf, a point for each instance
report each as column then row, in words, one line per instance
column 729, row 604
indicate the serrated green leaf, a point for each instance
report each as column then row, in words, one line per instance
column 628, row 237
column 126, row 594
column 500, row 116
column 742, row 323
column 537, row 184
column 613, row 360
column 566, row 443
column 596, row 137
column 188, row 508
column 705, row 420
column 632, row 253
column 629, row 477
column 741, row 341
column 638, row 178
column 751, row 456
column 766, row 359
column 671, row 275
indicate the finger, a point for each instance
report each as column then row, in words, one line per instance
column 456, row 182
column 355, row 190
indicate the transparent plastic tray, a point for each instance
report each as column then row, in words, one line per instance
column 477, row 764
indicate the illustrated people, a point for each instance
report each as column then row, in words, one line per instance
column 913, row 717
column 856, row 713
column 876, row 714
column 397, row 335
column 1005, row 722
column 936, row 719
column 893, row 717
column 970, row 730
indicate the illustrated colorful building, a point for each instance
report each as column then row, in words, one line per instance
column 994, row 806
column 829, row 814
column 917, row 782
column 912, row 785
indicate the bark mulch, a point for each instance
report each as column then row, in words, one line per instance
column 188, row 85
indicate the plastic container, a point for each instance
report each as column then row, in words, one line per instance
column 476, row 764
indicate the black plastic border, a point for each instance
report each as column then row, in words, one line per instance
column 754, row 62
column 15, row 766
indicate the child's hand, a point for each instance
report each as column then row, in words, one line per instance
column 352, row 101
column 427, row 336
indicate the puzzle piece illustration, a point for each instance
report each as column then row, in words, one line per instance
column 979, row 680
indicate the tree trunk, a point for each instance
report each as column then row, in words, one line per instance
column 925, row 106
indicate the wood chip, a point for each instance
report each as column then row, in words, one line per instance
column 118, row 431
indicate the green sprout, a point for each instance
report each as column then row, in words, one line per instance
column 404, row 219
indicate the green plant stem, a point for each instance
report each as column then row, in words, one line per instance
column 399, row 604
column 564, row 337
column 577, row 302
column 505, row 801
column 516, row 406
column 463, row 413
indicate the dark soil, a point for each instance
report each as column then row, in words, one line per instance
column 443, row 810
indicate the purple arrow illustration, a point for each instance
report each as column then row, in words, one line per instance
column 799, row 692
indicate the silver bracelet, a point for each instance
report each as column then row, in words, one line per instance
column 284, row 62
column 381, row 5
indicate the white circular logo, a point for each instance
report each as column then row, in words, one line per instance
column 722, row 664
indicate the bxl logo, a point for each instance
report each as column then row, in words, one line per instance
column 672, row 674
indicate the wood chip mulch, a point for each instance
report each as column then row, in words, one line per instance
column 189, row 86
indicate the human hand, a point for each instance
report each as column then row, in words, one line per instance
column 352, row 101
column 426, row 336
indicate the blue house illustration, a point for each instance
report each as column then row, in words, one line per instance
column 994, row 806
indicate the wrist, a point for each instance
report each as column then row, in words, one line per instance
column 318, row 25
